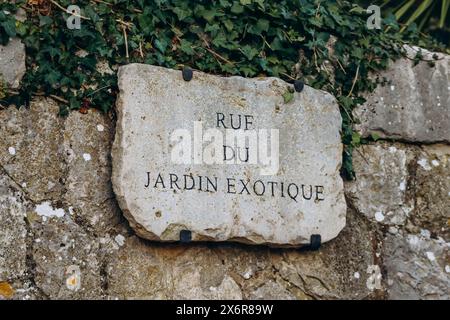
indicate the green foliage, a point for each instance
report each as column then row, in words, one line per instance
column 288, row 96
column 7, row 25
column 429, row 16
column 288, row 39
column 420, row 11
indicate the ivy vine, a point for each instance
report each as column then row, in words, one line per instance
column 290, row 39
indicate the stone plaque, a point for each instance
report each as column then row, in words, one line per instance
column 226, row 159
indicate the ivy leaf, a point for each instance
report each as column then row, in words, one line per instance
column 237, row 8
column 161, row 44
column 9, row 27
column 263, row 25
column 260, row 4
column 249, row 52
column 52, row 51
column 90, row 13
column 52, row 77
column 375, row 136
column 288, row 96
column 186, row 47
column 44, row 20
column 356, row 139
column 357, row 9
column 209, row 15
column 182, row 13
column 228, row 24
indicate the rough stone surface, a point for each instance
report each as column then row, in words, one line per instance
column 144, row 270
column 403, row 185
column 381, row 188
column 414, row 106
column 60, row 244
column 56, row 207
column 62, row 161
column 431, row 173
column 26, row 154
column 13, row 210
column 155, row 101
column 417, row 267
column 12, row 62
column 87, row 145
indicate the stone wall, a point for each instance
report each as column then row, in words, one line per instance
column 64, row 236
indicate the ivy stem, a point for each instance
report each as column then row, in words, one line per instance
column 57, row 98
column 126, row 41
column 354, row 80
column 219, row 56
column 67, row 11
column 140, row 50
column 94, row 92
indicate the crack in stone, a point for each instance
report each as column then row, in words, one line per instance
column 17, row 185
column 303, row 290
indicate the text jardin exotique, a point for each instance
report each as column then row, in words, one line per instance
column 244, row 141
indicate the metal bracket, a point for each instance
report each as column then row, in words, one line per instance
column 298, row 85
column 315, row 242
column 187, row 73
column 185, row 236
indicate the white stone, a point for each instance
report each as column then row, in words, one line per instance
column 120, row 240
column 248, row 275
column 45, row 210
column 393, row 230
column 155, row 101
column 430, row 255
column 12, row 151
column 425, row 233
column 379, row 216
column 424, row 164
column 86, row 157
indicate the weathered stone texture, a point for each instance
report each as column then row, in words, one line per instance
column 406, row 188
column 417, row 266
column 155, row 101
column 12, row 63
column 56, row 203
column 13, row 234
column 64, row 161
column 60, row 244
column 380, row 190
column 431, row 176
column 87, row 145
column 141, row 269
column 31, row 149
column 403, row 185
column 414, row 105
